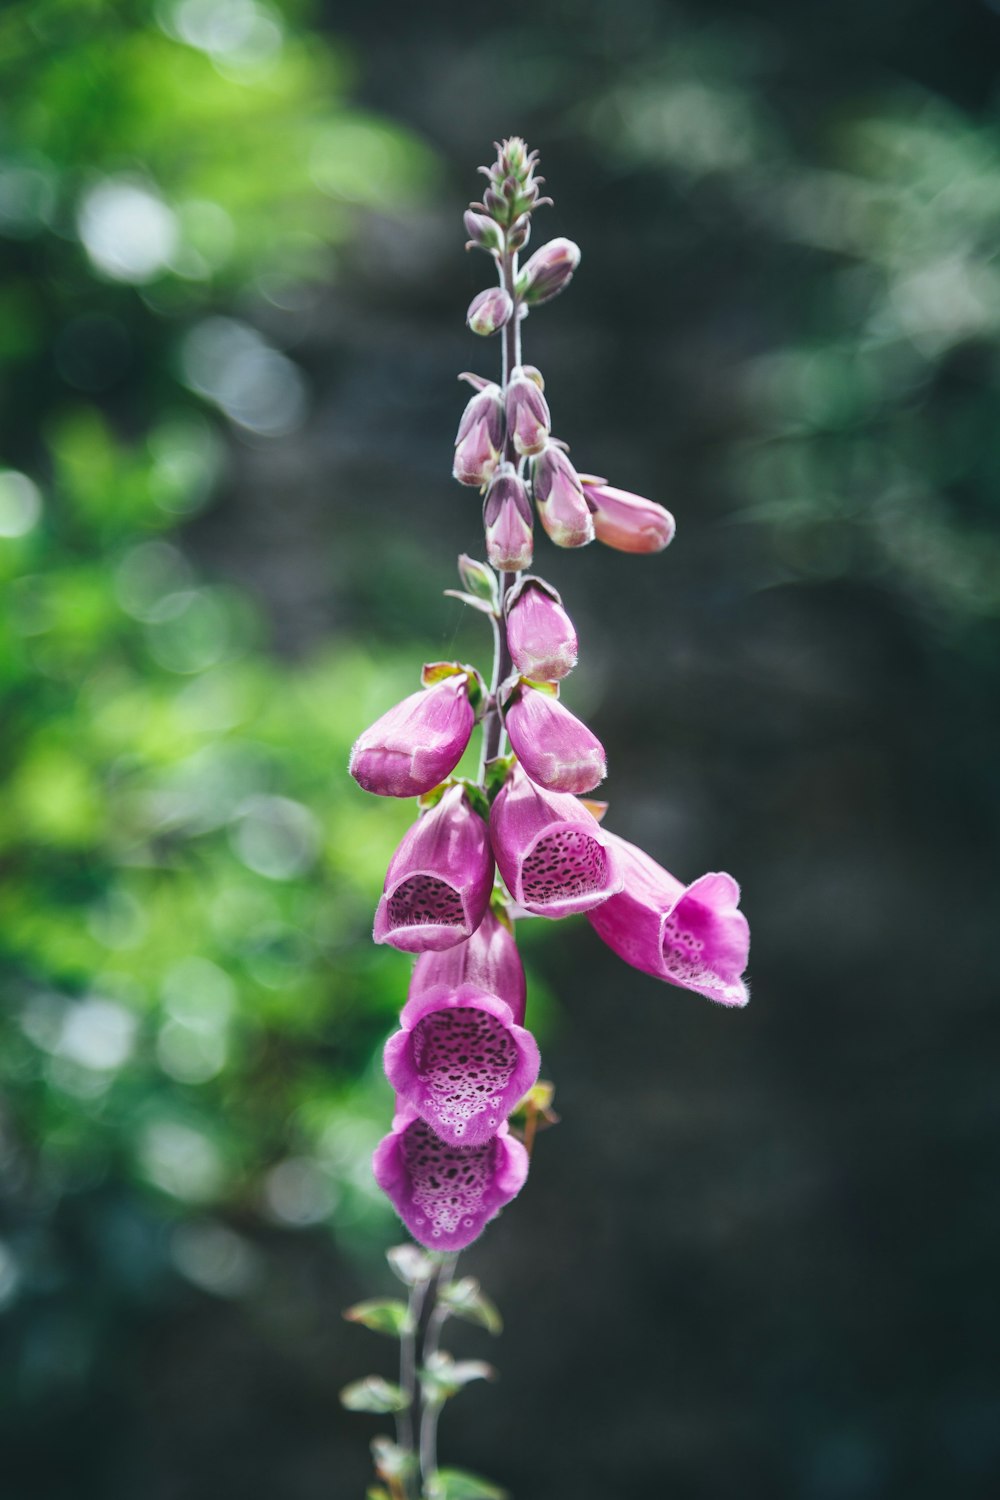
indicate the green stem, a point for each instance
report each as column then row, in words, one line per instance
column 432, row 1342
column 408, row 1371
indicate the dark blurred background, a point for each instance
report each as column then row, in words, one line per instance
column 758, row 1255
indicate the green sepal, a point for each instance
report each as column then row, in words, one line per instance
column 496, row 773
column 438, row 671
column 459, row 1484
column 482, row 605
column 374, row 1394
column 465, row 1299
column 390, row 1316
column 551, row 688
column 443, row 1377
column 430, row 799
column 479, row 579
column 391, row 1461
column 477, row 798
column 376, row 1492
column 412, row 1266
column 539, row 1097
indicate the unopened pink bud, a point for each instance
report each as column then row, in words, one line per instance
column 693, row 935
column 438, row 884
column 629, row 523
column 483, row 232
column 540, row 633
column 562, row 508
column 490, row 310
column 548, row 272
column 528, row 419
column 413, row 747
column 555, row 749
column 446, row 1194
column 508, row 523
column 479, row 438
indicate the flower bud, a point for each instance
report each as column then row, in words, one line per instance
column 483, row 232
column 490, row 310
column 479, row 438
column 540, row 634
column 438, row 884
column 489, row 960
column 519, row 233
column 555, row 749
column 508, row 523
column 551, row 852
column 444, row 1194
column 528, row 419
column 629, row 523
column 562, row 508
column 461, row 1060
column 414, row 746
column 693, row 936
column 548, row 272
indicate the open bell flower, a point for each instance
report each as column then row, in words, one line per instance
column 562, row 508
column 479, row 438
column 540, row 634
column 488, row 959
column 556, row 750
column 414, row 746
column 438, row 884
column 552, row 853
column 629, row 523
column 690, row 935
column 446, row 1194
column 461, row 1061
column 508, row 522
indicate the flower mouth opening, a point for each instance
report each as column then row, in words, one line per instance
column 424, row 900
column 448, row 1184
column 565, row 863
column 464, row 1058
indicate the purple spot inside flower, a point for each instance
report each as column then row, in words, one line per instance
column 465, row 1058
column 563, row 864
column 447, row 1183
column 425, row 899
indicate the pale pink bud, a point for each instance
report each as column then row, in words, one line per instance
column 528, row 419
column 562, row 508
column 479, row 438
column 413, row 747
column 540, row 633
column 508, row 523
column 548, row 272
column 489, row 311
column 555, row 749
column 629, row 523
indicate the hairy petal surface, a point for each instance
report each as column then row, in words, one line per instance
column 413, row 747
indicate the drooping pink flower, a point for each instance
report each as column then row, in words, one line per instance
column 562, row 508
column 461, row 1061
column 414, row 746
column 479, row 437
column 552, row 853
column 528, row 419
column 540, row 634
column 629, row 523
column 508, row 522
column 556, row 750
column 691, row 935
column 488, row 959
column 438, row 884
column 445, row 1194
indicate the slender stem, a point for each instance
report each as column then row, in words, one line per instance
column 432, row 1342
column 408, row 1370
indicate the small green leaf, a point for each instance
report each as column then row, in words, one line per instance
column 373, row 1394
column 390, row 1316
column 459, row 1484
column 470, row 599
column 411, row 1265
column 443, row 1377
column 497, row 771
column 391, row 1461
column 479, row 579
column 465, row 1299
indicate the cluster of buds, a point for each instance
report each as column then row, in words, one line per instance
column 521, row 839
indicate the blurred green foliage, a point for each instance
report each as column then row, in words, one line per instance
column 192, row 1004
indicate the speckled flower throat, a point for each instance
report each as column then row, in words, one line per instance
column 517, row 838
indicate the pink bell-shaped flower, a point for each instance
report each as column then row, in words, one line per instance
column 556, row 750
column 508, row 522
column 489, row 960
column 461, row 1061
column 540, row 634
column 693, row 936
column 445, row 1194
column 438, row 884
column 629, row 523
column 479, row 438
column 551, row 852
column 414, row 746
